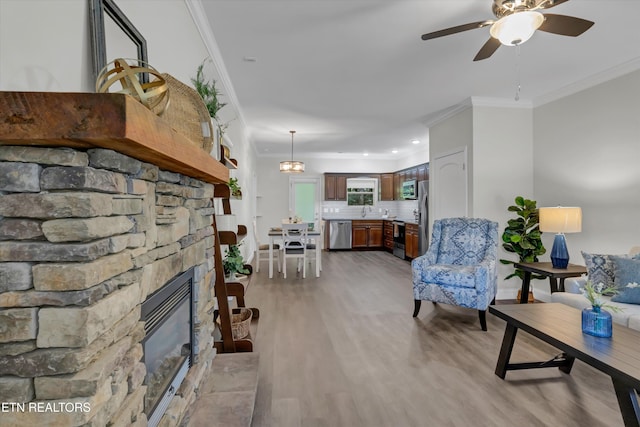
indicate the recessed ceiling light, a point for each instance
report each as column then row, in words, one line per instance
column 250, row 59
column 394, row 151
column 365, row 154
column 415, row 141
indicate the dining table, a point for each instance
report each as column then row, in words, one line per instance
column 276, row 233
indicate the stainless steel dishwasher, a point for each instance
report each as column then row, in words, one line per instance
column 340, row 234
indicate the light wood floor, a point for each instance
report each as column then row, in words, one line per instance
column 343, row 350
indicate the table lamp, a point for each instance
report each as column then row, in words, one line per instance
column 560, row 220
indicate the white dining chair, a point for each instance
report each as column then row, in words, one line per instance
column 262, row 250
column 294, row 238
column 315, row 244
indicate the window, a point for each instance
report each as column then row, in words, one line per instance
column 361, row 191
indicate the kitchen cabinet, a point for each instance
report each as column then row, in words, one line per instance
column 423, row 172
column 386, row 186
column 366, row 234
column 397, row 187
column 411, row 174
column 411, row 244
column 387, row 230
column 398, row 179
column 335, row 187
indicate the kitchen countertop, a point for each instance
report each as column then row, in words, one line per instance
column 367, row 218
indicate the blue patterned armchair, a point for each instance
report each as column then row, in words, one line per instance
column 460, row 266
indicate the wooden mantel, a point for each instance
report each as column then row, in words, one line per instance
column 114, row 121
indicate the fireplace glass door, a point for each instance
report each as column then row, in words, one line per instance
column 167, row 345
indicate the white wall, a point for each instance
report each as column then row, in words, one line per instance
column 45, row 46
column 586, row 153
column 502, row 169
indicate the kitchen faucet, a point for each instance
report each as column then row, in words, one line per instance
column 364, row 211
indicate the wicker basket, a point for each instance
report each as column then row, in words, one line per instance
column 240, row 323
column 187, row 114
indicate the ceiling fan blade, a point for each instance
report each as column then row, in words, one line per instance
column 548, row 4
column 564, row 25
column 487, row 49
column 457, row 29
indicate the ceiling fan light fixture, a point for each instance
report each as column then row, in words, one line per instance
column 516, row 28
column 291, row 166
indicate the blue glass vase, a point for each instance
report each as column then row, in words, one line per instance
column 597, row 322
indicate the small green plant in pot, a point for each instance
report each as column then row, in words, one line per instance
column 236, row 191
column 233, row 262
column 522, row 236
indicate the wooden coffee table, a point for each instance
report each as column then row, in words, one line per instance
column 560, row 326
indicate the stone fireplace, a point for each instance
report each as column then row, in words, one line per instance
column 89, row 237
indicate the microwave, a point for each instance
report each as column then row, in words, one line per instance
column 410, row 190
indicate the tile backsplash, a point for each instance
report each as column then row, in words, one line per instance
column 402, row 209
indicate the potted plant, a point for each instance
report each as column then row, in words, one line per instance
column 208, row 92
column 236, row 191
column 522, row 235
column 233, row 262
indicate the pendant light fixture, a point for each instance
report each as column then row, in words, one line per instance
column 291, row 166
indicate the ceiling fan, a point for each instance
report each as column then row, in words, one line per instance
column 516, row 23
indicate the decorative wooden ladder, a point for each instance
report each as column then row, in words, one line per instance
column 225, row 289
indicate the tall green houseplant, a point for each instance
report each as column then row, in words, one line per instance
column 522, row 235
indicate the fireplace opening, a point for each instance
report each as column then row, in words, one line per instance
column 168, row 343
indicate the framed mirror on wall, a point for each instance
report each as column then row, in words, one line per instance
column 114, row 36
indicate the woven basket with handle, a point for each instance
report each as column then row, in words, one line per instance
column 188, row 114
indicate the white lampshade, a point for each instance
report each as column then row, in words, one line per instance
column 560, row 219
column 292, row 166
column 516, row 28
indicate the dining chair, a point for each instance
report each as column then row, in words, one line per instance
column 294, row 239
column 262, row 250
column 315, row 244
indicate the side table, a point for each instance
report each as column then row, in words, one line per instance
column 546, row 269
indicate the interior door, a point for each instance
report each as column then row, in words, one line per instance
column 450, row 193
column 304, row 199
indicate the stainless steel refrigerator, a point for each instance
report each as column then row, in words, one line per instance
column 423, row 216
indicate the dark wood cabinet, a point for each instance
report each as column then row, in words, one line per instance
column 387, row 238
column 423, row 172
column 411, row 174
column 335, row 187
column 397, row 187
column 386, row 187
column 366, row 234
column 411, row 244
column 399, row 178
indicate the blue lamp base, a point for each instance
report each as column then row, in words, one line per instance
column 559, row 253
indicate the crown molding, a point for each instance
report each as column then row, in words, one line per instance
column 442, row 115
column 482, row 101
column 203, row 26
column 588, row 82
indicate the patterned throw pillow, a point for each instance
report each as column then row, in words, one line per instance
column 627, row 279
column 600, row 268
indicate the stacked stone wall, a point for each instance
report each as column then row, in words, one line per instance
column 85, row 238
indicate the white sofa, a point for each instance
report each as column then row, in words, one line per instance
column 572, row 296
